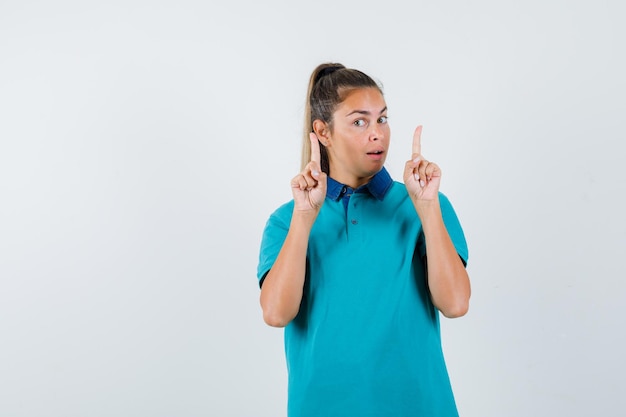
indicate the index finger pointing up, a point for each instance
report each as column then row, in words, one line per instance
column 417, row 140
column 315, row 148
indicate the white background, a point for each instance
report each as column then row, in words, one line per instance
column 143, row 144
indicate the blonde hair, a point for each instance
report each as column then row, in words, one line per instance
column 328, row 86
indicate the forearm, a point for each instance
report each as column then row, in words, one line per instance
column 281, row 292
column 448, row 280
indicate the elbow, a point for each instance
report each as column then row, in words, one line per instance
column 277, row 311
column 276, row 318
column 456, row 303
column 458, row 309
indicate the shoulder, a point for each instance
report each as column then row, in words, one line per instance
column 282, row 215
column 283, row 209
column 397, row 191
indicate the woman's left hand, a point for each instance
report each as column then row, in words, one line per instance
column 421, row 177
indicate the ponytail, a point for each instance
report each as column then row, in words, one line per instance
column 321, row 71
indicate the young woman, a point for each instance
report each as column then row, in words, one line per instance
column 357, row 266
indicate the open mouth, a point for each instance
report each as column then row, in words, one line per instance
column 375, row 153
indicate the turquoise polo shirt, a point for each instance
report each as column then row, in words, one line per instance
column 366, row 340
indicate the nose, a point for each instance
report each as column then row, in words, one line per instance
column 376, row 133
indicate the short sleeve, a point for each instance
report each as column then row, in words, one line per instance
column 453, row 226
column 274, row 236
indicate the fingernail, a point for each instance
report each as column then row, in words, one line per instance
column 422, row 183
column 416, row 176
column 417, row 159
column 315, row 173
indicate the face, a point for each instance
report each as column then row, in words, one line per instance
column 358, row 142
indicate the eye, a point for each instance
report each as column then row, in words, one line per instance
column 383, row 119
column 359, row 122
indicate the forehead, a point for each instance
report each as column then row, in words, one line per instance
column 363, row 99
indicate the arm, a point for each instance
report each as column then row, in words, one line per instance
column 281, row 292
column 448, row 280
column 282, row 289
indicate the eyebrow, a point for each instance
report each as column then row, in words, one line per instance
column 365, row 112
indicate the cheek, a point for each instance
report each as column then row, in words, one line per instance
column 386, row 133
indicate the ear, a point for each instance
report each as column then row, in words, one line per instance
column 322, row 131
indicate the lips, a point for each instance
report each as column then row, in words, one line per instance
column 376, row 155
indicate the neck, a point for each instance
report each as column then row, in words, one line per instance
column 350, row 180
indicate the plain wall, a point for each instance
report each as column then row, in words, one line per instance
column 143, row 144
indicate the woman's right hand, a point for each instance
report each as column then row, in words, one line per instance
column 309, row 186
column 281, row 293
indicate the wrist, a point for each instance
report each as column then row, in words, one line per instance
column 304, row 218
column 428, row 209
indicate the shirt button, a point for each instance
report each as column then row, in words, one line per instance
column 355, row 221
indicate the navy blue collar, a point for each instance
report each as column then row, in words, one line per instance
column 377, row 186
